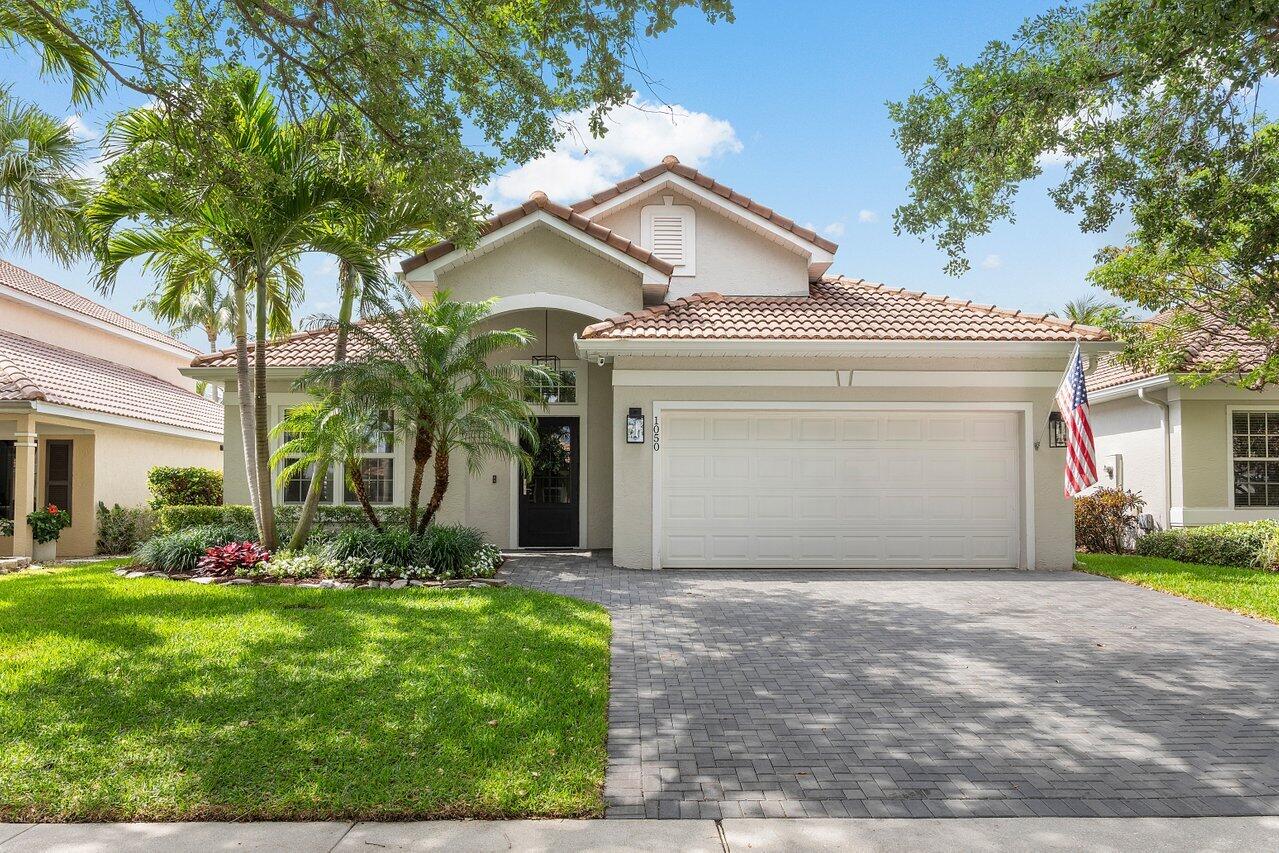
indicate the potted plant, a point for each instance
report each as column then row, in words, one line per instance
column 46, row 526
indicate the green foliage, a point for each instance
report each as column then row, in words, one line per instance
column 171, row 519
column 6, row 526
column 151, row 700
column 445, row 551
column 396, row 547
column 458, row 551
column 48, row 523
column 1105, row 519
column 180, row 552
column 184, row 486
column 120, row 529
column 1241, row 590
column 288, row 565
column 1242, row 543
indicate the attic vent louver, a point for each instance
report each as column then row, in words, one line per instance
column 669, row 231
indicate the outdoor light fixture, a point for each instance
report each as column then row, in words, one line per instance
column 546, row 361
column 635, row 426
column 1056, row 430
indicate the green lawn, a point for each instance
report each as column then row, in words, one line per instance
column 1249, row 591
column 156, row 700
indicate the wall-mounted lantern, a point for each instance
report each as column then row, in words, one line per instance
column 1056, row 430
column 635, row 426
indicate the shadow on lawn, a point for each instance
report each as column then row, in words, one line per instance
column 152, row 699
column 920, row 694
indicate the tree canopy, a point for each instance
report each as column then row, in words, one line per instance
column 1154, row 111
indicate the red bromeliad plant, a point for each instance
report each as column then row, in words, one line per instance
column 223, row 560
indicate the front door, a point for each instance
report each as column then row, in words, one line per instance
column 548, row 501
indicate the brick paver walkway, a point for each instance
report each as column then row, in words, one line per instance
column 917, row 694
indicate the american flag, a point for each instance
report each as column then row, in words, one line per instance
column 1072, row 402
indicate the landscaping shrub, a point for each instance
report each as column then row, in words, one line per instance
column 171, row 519
column 47, row 524
column 1242, row 543
column 228, row 559
column 194, row 486
column 180, row 552
column 1105, row 519
column 285, row 565
column 120, row 529
column 6, row 527
column 457, row 551
column 396, row 547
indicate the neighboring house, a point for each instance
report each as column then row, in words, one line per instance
column 790, row 418
column 1197, row 455
column 90, row 400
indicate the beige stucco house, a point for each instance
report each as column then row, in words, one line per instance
column 90, row 400
column 727, row 402
column 1197, row 455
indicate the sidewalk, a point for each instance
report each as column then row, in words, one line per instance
column 703, row 836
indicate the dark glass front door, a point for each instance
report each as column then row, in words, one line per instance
column 548, row 501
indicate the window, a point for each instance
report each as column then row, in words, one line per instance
column 296, row 489
column 669, row 231
column 1254, row 444
column 562, row 390
column 377, row 466
column 57, row 474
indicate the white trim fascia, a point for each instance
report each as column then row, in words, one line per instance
column 429, row 272
column 820, row 259
column 1193, row 516
column 40, row 407
column 1028, row 449
column 557, row 301
column 10, row 292
column 1129, row 389
column 838, row 378
column 612, row 347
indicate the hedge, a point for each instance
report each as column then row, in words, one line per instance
column 1240, row 543
column 171, row 519
column 184, row 486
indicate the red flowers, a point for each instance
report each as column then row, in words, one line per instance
column 223, row 560
column 52, row 509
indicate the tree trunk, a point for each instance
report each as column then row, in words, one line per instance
column 244, row 390
column 357, row 483
column 441, row 486
column 348, row 290
column 262, row 434
column 422, row 445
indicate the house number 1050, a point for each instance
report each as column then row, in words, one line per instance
column 657, row 434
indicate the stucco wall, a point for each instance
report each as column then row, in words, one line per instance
column 1202, row 428
column 730, row 257
column 1134, row 430
column 31, row 322
column 543, row 260
column 633, row 464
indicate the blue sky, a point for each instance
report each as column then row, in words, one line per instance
column 787, row 106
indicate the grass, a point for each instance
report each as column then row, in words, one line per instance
column 156, row 700
column 1250, row 591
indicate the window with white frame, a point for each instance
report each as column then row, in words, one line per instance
column 562, row 389
column 1254, row 447
column 297, row 487
column 377, row 465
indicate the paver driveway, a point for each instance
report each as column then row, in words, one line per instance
column 926, row 694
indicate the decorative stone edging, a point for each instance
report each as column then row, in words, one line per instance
column 13, row 564
column 326, row 583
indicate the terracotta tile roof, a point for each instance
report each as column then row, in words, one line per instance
column 303, row 349
column 35, row 370
column 838, row 309
column 672, row 164
column 1211, row 344
column 33, row 285
column 539, row 201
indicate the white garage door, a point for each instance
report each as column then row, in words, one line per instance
column 856, row 489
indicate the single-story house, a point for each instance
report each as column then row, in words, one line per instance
column 727, row 402
column 1197, row 455
column 90, row 401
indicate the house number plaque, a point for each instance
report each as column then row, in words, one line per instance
column 657, row 434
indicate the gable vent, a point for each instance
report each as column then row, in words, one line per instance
column 668, row 238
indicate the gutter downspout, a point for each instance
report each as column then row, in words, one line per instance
column 1167, row 430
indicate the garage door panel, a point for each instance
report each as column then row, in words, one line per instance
column 778, row 489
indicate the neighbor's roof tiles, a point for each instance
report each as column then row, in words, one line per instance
column 38, row 371
column 33, row 285
column 671, row 164
column 1213, row 343
column 838, row 309
column 539, row 201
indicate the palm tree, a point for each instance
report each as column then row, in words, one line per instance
column 1087, row 310
column 322, row 432
column 256, row 192
column 447, row 387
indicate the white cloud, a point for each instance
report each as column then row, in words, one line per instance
column 835, row 229
column 639, row 134
column 79, row 127
column 992, row 262
column 865, row 215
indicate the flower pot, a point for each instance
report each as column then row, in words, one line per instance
column 44, row 552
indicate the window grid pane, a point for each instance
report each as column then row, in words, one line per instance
column 1254, row 443
column 379, row 481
